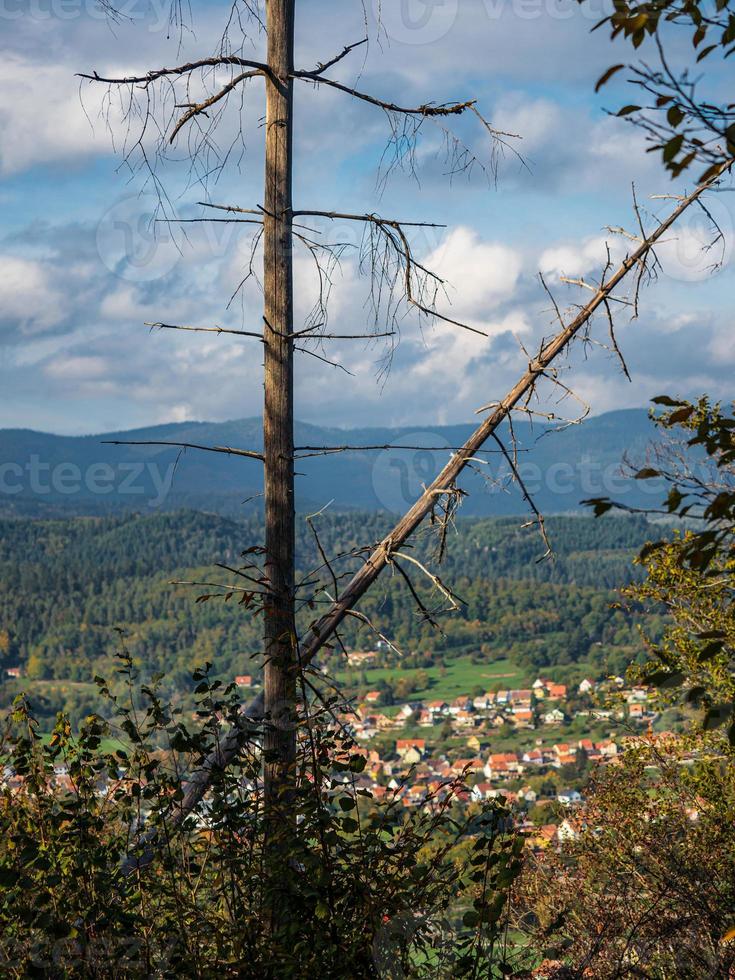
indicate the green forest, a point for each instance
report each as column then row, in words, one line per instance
column 74, row 592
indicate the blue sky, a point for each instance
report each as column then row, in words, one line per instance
column 84, row 270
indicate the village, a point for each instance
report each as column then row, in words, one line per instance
column 414, row 750
column 419, row 752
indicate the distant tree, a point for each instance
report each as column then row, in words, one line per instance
column 37, row 667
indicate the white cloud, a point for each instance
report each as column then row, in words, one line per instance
column 41, row 117
column 536, row 121
column 80, row 326
column 479, row 274
column 78, row 369
column 576, row 259
column 28, row 302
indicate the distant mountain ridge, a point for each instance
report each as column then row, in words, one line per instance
column 44, row 475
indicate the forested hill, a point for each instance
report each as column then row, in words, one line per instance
column 45, row 475
column 66, row 585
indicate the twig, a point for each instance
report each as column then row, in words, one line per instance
column 348, row 49
column 201, row 107
column 175, row 326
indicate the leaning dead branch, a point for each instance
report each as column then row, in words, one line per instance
column 325, row 627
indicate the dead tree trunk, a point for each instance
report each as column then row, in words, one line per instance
column 279, row 625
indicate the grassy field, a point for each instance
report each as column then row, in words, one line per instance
column 460, row 676
column 109, row 745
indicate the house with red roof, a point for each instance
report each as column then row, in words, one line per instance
column 411, row 750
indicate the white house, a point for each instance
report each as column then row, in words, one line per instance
column 554, row 717
column 569, row 797
column 567, row 831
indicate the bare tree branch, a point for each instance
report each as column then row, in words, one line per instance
column 429, row 109
column 348, row 49
column 201, row 107
column 247, row 453
column 176, row 326
column 191, row 66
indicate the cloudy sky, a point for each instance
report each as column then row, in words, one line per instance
column 85, row 266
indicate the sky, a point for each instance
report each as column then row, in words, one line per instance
column 93, row 248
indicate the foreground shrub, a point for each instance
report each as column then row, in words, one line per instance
column 372, row 889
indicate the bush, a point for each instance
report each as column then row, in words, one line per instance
column 362, row 888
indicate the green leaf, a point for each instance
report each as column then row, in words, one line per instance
column 674, row 499
column 666, row 678
column 710, row 650
column 672, row 148
column 681, row 415
column 665, row 400
column 716, row 716
column 471, row 919
column 706, row 51
column 599, row 505
column 605, row 78
column 694, row 694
